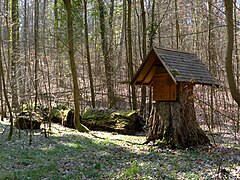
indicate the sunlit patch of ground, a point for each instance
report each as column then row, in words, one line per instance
column 68, row 154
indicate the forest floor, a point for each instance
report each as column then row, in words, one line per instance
column 68, row 154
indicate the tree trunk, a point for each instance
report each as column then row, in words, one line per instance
column 228, row 60
column 177, row 23
column 130, row 61
column 2, row 79
column 238, row 61
column 175, row 122
column 152, row 31
column 88, row 56
column 77, row 123
column 36, row 44
column 15, row 53
column 8, row 66
column 151, row 39
column 211, row 57
column 25, row 41
column 107, row 61
column 144, row 49
column 56, row 43
column 124, row 6
column 1, row 91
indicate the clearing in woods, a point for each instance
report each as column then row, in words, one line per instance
column 69, row 154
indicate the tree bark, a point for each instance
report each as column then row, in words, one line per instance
column 2, row 79
column 177, row 23
column 77, row 123
column 6, row 9
column 88, row 56
column 56, row 43
column 1, row 90
column 175, row 122
column 36, row 45
column 126, row 45
column 144, row 49
column 107, row 61
column 15, row 53
column 151, row 39
column 211, row 57
column 238, row 63
column 25, row 35
column 228, row 60
column 130, row 61
column 152, row 31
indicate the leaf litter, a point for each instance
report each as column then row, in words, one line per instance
column 68, row 154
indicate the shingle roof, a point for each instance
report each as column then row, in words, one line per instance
column 182, row 67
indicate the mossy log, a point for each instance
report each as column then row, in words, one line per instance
column 175, row 123
column 58, row 114
column 24, row 122
column 125, row 122
column 70, row 121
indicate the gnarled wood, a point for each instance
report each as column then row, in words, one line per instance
column 175, row 122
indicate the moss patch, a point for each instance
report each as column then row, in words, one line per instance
column 126, row 122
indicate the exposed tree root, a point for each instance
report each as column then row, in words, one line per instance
column 175, row 122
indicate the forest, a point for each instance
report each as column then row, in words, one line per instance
column 75, row 102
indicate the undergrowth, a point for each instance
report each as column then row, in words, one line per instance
column 68, row 154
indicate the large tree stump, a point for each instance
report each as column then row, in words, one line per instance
column 175, row 122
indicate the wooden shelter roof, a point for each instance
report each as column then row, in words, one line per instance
column 181, row 66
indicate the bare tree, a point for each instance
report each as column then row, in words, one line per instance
column 177, row 23
column 211, row 56
column 15, row 53
column 130, row 60
column 88, row 55
column 107, row 60
column 144, row 50
column 36, row 46
column 228, row 60
column 25, row 35
column 77, row 123
column 3, row 83
column 238, row 64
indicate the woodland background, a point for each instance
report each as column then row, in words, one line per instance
column 111, row 39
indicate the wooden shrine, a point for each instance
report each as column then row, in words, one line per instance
column 173, row 74
column 165, row 69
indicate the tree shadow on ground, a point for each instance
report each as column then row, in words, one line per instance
column 73, row 155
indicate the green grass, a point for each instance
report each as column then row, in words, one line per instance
column 132, row 171
column 73, row 155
